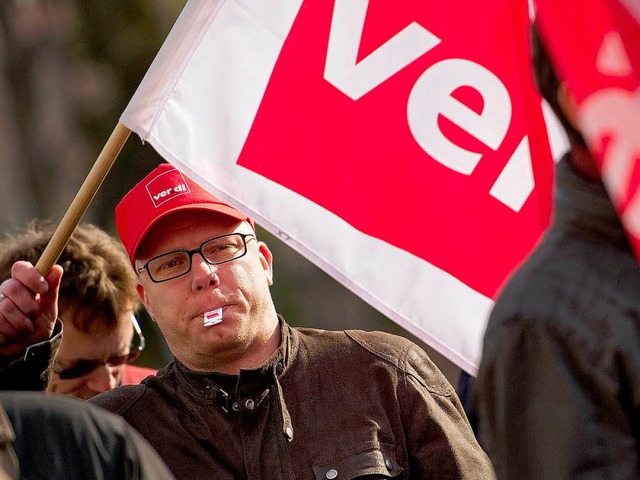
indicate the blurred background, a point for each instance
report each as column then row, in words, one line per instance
column 67, row 71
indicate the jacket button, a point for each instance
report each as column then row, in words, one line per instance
column 235, row 407
column 250, row 404
column 389, row 464
column 333, row 473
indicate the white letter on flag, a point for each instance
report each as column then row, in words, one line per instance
column 356, row 79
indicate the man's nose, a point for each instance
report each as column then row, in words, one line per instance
column 204, row 274
column 103, row 378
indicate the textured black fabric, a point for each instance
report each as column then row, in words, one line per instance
column 356, row 404
column 64, row 438
column 558, row 389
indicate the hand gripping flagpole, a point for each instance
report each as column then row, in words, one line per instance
column 81, row 202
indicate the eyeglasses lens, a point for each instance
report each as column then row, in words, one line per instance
column 215, row 251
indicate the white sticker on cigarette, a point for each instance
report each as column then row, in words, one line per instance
column 213, row 317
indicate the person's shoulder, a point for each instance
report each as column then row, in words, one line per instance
column 67, row 428
column 406, row 356
column 393, row 348
column 382, row 344
column 120, row 399
column 61, row 412
column 400, row 354
column 323, row 335
column 388, row 346
column 533, row 290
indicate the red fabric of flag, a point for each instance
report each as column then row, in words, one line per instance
column 595, row 48
column 379, row 159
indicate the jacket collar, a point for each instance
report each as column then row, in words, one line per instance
column 226, row 389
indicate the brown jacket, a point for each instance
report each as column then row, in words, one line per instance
column 327, row 405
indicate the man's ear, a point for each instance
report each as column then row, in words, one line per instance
column 266, row 259
column 142, row 295
column 568, row 105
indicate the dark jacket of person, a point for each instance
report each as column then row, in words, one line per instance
column 61, row 437
column 325, row 405
column 558, row 389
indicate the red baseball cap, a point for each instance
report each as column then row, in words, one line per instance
column 165, row 190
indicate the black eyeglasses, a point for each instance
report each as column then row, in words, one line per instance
column 84, row 367
column 215, row 251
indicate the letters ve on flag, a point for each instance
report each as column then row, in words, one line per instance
column 598, row 54
column 389, row 143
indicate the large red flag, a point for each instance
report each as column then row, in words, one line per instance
column 400, row 146
column 595, row 47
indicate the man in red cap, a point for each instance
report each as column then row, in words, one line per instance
column 248, row 396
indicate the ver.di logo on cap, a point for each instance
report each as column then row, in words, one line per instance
column 166, row 186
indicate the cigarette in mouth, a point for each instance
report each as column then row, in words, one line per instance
column 213, row 317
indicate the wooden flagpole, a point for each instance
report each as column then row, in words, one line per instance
column 83, row 198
